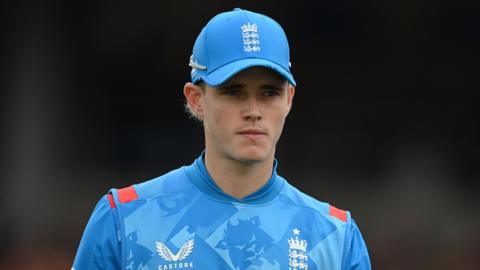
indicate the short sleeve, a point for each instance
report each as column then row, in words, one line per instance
column 99, row 247
column 356, row 253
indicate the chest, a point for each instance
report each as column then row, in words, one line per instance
column 204, row 234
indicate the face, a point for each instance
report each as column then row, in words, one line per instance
column 244, row 117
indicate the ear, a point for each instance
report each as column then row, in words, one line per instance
column 290, row 93
column 194, row 95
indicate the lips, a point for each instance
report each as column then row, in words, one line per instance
column 252, row 133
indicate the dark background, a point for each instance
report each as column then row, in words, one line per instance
column 385, row 120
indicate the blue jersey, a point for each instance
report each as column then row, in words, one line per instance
column 183, row 220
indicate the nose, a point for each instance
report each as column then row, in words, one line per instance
column 252, row 110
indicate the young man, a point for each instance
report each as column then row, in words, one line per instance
column 229, row 209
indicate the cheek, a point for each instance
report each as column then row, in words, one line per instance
column 279, row 113
column 279, row 120
column 219, row 118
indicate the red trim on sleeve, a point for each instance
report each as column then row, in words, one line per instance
column 127, row 194
column 338, row 213
column 111, row 201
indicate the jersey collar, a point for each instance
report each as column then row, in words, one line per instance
column 199, row 176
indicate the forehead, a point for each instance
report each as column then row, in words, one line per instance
column 256, row 74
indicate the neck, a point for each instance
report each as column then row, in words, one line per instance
column 235, row 178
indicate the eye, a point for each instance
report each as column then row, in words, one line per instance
column 232, row 92
column 271, row 93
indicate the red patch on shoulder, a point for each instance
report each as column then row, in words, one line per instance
column 338, row 213
column 127, row 194
column 111, row 201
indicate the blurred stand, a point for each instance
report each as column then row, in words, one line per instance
column 384, row 123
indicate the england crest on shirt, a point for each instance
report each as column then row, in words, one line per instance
column 297, row 252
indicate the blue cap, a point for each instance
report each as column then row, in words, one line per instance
column 236, row 40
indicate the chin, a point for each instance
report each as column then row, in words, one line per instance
column 253, row 155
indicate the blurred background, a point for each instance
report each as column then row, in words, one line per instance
column 385, row 120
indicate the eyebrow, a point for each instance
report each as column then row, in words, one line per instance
column 276, row 87
column 231, row 86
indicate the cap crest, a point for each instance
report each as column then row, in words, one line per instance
column 251, row 42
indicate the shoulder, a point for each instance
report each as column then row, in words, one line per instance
column 168, row 184
column 99, row 245
column 327, row 210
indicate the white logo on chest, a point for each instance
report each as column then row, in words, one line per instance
column 183, row 253
column 251, row 43
column 297, row 252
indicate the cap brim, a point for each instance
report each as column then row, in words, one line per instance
column 225, row 72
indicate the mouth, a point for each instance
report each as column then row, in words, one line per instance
column 253, row 134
